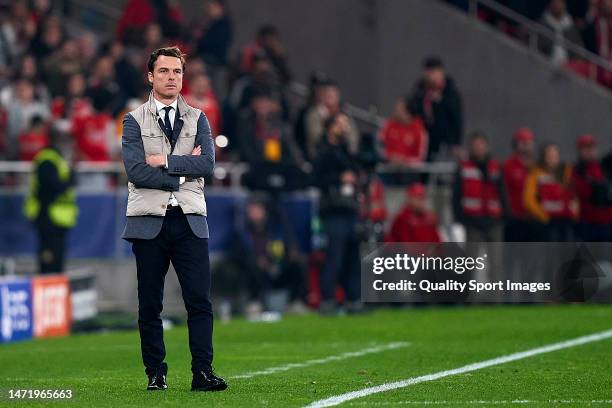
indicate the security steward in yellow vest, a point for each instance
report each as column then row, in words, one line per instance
column 51, row 206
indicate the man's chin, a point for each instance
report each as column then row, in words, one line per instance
column 169, row 93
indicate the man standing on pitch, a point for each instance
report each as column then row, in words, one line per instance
column 167, row 152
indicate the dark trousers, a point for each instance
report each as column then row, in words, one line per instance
column 588, row 232
column 556, row 230
column 175, row 243
column 51, row 247
column 518, row 230
column 342, row 261
column 291, row 277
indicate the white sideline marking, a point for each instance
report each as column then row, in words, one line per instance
column 343, row 356
column 481, row 402
column 339, row 399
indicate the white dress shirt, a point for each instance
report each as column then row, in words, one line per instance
column 162, row 113
column 172, row 114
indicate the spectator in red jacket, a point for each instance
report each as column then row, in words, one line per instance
column 202, row 97
column 268, row 45
column 478, row 199
column 595, row 216
column 102, row 85
column 404, row 136
column 73, row 103
column 33, row 140
column 519, row 227
column 414, row 223
column 549, row 196
column 372, row 202
column 94, row 135
column 138, row 14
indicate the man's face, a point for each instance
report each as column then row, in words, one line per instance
column 167, row 77
column 435, row 78
column 214, row 9
column 256, row 213
column 417, row 203
column 52, row 35
column 587, row 153
column 557, row 7
column 330, row 98
column 400, row 112
column 153, row 34
column 263, row 72
column 104, row 69
column 270, row 40
column 479, row 148
column 28, row 67
column 76, row 85
column 264, row 106
column 340, row 125
column 525, row 146
column 196, row 67
column 70, row 49
column 552, row 157
column 200, row 85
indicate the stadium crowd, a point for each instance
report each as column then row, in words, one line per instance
column 584, row 23
column 54, row 75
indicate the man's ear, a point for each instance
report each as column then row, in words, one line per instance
column 150, row 77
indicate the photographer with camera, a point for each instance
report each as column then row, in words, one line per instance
column 336, row 174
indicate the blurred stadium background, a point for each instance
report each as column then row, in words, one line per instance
column 269, row 74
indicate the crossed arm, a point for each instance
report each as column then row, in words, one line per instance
column 149, row 172
column 196, row 165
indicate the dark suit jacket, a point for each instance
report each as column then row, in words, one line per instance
column 145, row 176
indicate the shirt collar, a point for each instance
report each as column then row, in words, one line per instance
column 159, row 105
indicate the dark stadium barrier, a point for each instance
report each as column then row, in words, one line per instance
column 102, row 218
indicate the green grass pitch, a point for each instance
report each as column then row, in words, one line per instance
column 105, row 369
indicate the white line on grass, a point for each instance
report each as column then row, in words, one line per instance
column 343, row 356
column 339, row 399
column 479, row 402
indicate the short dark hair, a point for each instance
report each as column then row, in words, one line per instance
column 261, row 92
column 479, row 134
column 168, row 52
column 409, row 105
column 267, row 30
column 433, row 62
column 328, row 83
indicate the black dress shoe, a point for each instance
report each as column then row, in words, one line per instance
column 157, row 379
column 207, row 381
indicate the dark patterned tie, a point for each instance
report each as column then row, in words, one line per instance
column 167, row 124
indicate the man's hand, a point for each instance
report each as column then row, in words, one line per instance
column 156, row 160
column 348, row 177
column 159, row 160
